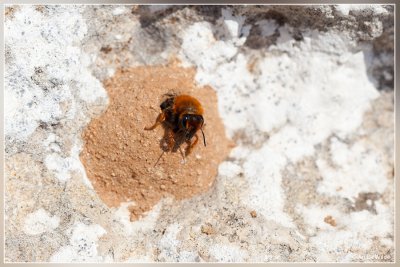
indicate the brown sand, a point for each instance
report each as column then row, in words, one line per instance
column 119, row 155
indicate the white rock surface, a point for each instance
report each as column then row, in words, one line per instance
column 82, row 247
column 306, row 93
column 39, row 222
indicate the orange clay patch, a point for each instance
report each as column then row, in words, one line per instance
column 119, row 155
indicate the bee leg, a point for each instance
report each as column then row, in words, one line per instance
column 170, row 140
column 159, row 120
column 183, row 156
column 191, row 145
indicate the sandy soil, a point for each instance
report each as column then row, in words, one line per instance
column 120, row 156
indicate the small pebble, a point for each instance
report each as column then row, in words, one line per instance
column 330, row 220
column 207, row 229
column 253, row 213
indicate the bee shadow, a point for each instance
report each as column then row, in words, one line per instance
column 171, row 141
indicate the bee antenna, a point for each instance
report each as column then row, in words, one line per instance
column 204, row 138
column 159, row 158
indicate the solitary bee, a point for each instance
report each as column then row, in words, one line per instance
column 183, row 115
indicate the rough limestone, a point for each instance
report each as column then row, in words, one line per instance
column 304, row 92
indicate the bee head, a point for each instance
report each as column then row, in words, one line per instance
column 191, row 123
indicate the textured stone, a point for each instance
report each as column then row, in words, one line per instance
column 305, row 93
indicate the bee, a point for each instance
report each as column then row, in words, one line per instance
column 182, row 118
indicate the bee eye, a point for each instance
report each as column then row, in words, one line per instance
column 184, row 120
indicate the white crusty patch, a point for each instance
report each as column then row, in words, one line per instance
column 227, row 253
column 39, row 222
column 356, row 168
column 316, row 88
column 168, row 244
column 120, row 10
column 49, row 61
column 147, row 223
column 354, row 231
column 262, row 168
column 82, row 244
column 62, row 166
column 345, row 9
